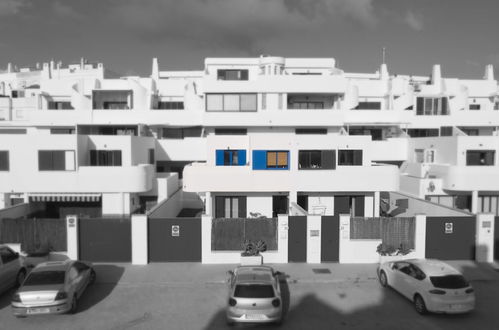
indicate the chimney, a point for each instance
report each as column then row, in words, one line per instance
column 155, row 68
column 436, row 76
column 489, row 72
column 383, row 72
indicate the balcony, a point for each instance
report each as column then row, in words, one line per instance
column 200, row 177
column 467, row 178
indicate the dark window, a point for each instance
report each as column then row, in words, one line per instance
column 317, row 131
column 115, row 105
column 350, row 157
column 416, row 132
column 192, row 131
column 474, row 107
column 480, row 157
column 446, row 131
column 170, row 105
column 230, row 206
column 449, row 282
column 432, row 106
column 51, row 160
column 151, row 156
column 13, row 131
column 112, row 99
column 4, row 160
column 173, row 133
column 105, row 157
column 48, row 277
column 231, row 131
column 316, row 159
column 277, row 159
column 254, row 291
column 60, row 105
column 303, row 105
column 230, row 157
column 232, row 74
column 62, row 131
column 368, row 106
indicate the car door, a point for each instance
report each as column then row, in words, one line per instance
column 408, row 281
column 73, row 281
column 83, row 275
column 10, row 266
column 400, row 273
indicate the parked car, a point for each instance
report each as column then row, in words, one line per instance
column 53, row 287
column 254, row 295
column 432, row 285
column 12, row 268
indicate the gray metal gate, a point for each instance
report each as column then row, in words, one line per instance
column 297, row 239
column 450, row 238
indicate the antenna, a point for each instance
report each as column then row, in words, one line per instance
column 383, row 50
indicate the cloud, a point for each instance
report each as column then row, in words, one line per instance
column 64, row 10
column 11, row 7
column 415, row 22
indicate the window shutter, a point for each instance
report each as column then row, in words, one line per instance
column 219, row 206
column 59, row 160
column 357, row 157
column 219, row 154
column 241, row 157
column 420, row 106
column 328, row 159
column 259, row 159
column 242, row 207
column 445, row 105
column 117, row 158
column 244, row 74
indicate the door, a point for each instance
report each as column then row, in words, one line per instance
column 330, row 239
column 279, row 205
column 450, row 238
column 297, row 239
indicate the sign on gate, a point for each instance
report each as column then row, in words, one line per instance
column 175, row 230
column 449, row 228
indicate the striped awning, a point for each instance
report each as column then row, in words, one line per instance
column 64, row 197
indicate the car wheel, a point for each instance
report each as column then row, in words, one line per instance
column 230, row 323
column 420, row 305
column 93, row 277
column 74, row 305
column 382, row 279
column 21, row 275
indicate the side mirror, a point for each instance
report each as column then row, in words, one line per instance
column 230, row 272
column 277, row 273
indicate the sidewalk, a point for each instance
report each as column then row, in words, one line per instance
column 190, row 273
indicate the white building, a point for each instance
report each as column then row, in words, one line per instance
column 260, row 137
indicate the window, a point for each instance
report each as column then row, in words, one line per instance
column 232, row 74
column 368, row 106
column 496, row 103
column 318, row 131
column 4, row 160
column 170, row 105
column 432, row 106
column 264, row 101
column 280, row 101
column 446, row 131
column 488, row 204
column 474, row 107
column 180, row 133
column 277, row 159
column 417, row 132
column 230, row 157
column 150, row 157
column 112, row 99
column 7, row 255
column 316, row 159
column 105, row 157
column 350, row 157
column 230, row 207
column 231, row 131
column 231, row 102
column 13, row 131
column 62, row 131
column 480, row 157
column 56, row 160
column 306, row 105
column 59, row 105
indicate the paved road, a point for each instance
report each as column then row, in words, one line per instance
column 318, row 302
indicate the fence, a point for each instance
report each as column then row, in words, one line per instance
column 392, row 231
column 35, row 233
column 229, row 234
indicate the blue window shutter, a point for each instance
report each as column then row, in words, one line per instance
column 219, row 157
column 241, row 157
column 259, row 159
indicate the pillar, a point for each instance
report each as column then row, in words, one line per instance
column 72, row 236
column 139, row 240
column 474, row 201
column 484, row 243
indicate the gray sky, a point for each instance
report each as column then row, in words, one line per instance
column 461, row 35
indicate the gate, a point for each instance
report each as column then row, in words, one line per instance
column 105, row 240
column 174, row 239
column 496, row 238
column 450, row 238
column 297, row 239
column 330, row 238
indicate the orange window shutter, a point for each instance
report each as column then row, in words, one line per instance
column 282, row 159
column 271, row 159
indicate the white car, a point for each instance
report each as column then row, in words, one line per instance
column 432, row 285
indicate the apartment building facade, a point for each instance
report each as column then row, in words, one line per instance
column 250, row 137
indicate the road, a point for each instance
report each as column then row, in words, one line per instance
column 349, row 303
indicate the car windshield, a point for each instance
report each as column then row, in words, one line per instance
column 254, row 291
column 45, row 278
column 449, row 282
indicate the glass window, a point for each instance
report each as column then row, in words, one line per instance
column 231, row 102
column 214, row 102
column 480, row 157
column 48, row 277
column 254, row 291
column 248, row 102
column 52, row 160
column 7, row 255
column 4, row 160
column 449, row 282
column 350, row 157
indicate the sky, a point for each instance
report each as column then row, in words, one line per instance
column 461, row 35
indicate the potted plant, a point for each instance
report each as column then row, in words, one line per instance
column 388, row 252
column 251, row 253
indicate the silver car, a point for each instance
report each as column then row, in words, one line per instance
column 53, row 287
column 12, row 268
column 254, row 295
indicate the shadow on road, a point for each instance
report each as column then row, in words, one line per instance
column 108, row 277
column 5, row 298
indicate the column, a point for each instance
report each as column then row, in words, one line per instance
column 420, row 239
column 474, row 201
column 139, row 240
column 376, row 204
column 72, row 236
column 484, row 251
column 314, row 239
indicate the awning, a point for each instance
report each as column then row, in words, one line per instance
column 62, row 197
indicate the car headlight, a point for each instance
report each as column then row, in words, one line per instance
column 61, row 295
column 16, row 297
